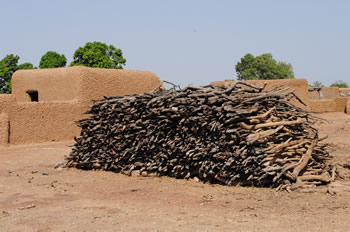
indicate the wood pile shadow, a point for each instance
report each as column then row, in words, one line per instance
column 239, row 134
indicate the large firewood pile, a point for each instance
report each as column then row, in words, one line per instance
column 239, row 134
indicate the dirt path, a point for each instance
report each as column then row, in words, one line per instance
column 36, row 197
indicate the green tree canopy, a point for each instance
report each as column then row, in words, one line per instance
column 98, row 55
column 26, row 66
column 52, row 60
column 340, row 84
column 8, row 66
column 262, row 67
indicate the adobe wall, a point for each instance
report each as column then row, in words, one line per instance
column 314, row 94
column 80, row 83
column 330, row 92
column 344, row 91
column 4, row 129
column 61, row 92
column 6, row 102
column 347, row 108
column 322, row 106
column 338, row 104
column 328, row 99
column 40, row 122
column 97, row 83
column 58, row 84
column 299, row 85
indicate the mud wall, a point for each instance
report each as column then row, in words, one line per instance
column 338, row 104
column 40, row 122
column 96, row 83
column 59, row 84
column 328, row 99
column 61, row 94
column 299, row 85
column 315, row 94
column 322, row 106
column 344, row 91
column 4, row 129
column 80, row 83
column 347, row 108
column 6, row 102
column 330, row 92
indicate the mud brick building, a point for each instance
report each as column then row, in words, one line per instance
column 45, row 102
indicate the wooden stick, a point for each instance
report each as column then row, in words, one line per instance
column 254, row 137
column 324, row 177
column 305, row 159
column 264, row 115
column 271, row 124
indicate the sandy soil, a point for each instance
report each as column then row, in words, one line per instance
column 36, row 197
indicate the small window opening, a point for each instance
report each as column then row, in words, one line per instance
column 34, row 96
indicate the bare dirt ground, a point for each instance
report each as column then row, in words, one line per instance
column 36, row 197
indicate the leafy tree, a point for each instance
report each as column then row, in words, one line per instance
column 98, row 55
column 26, row 66
column 317, row 84
column 262, row 67
column 52, row 60
column 340, row 84
column 8, row 66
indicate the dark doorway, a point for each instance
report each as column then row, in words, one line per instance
column 33, row 94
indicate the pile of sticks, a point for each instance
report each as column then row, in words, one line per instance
column 239, row 134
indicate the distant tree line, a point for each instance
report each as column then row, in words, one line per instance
column 93, row 54
column 339, row 84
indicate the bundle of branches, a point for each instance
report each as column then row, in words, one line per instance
column 237, row 134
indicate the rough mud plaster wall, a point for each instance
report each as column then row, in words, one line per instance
column 6, row 102
column 56, row 84
column 344, row 90
column 83, row 83
column 330, row 92
column 97, row 83
column 314, row 94
column 340, row 104
column 300, row 86
column 322, row 106
column 4, row 129
column 347, row 109
column 39, row 122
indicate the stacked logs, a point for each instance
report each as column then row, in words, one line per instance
column 239, row 134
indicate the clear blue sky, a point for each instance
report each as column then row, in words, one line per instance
column 187, row 41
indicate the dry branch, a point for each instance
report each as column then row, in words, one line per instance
column 304, row 160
